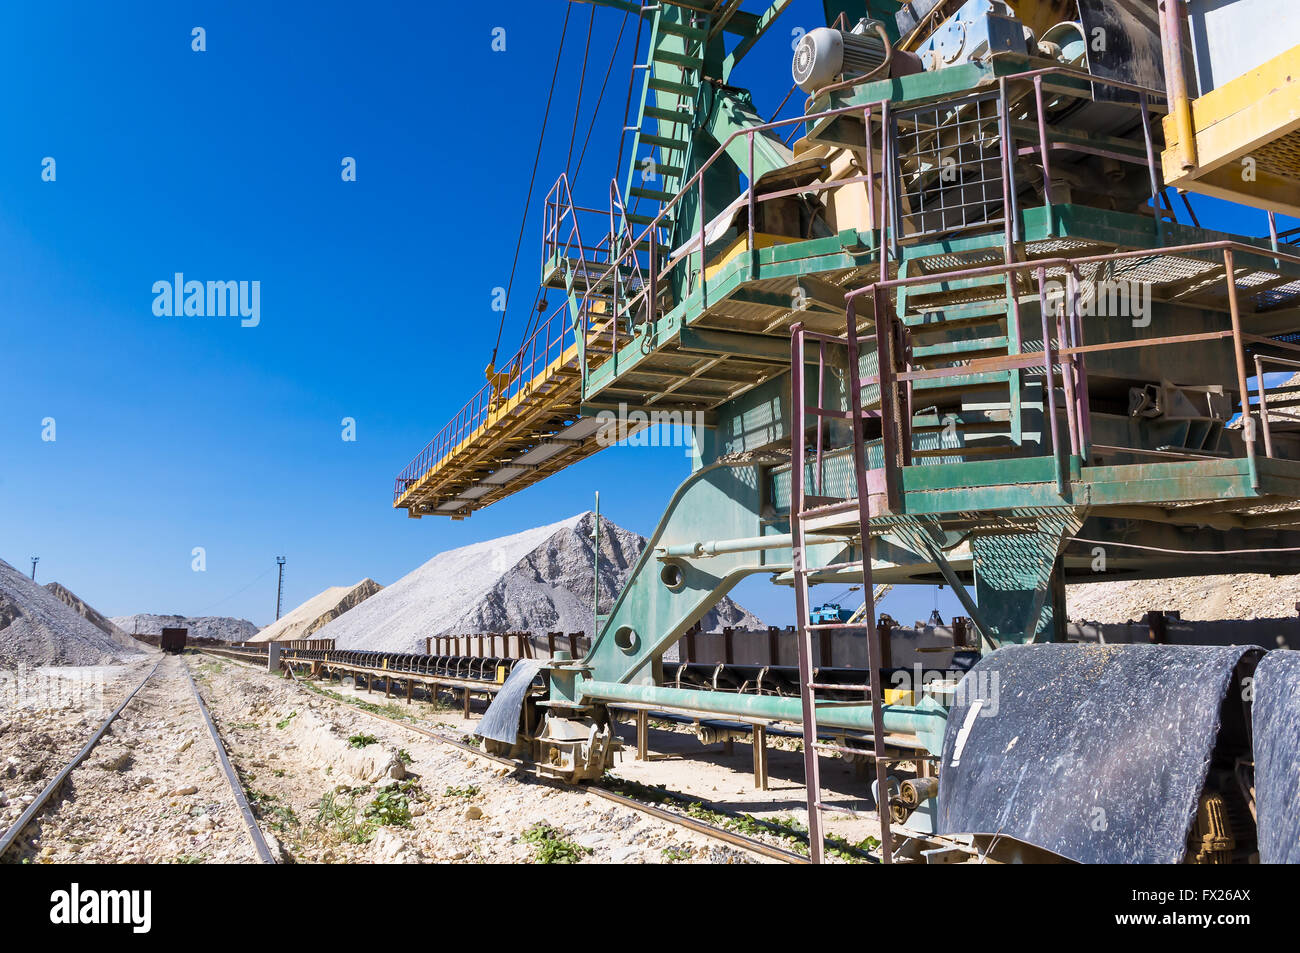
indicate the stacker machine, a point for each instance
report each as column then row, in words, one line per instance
column 948, row 323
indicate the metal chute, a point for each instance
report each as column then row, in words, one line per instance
column 501, row 720
column 1098, row 753
column 1276, row 724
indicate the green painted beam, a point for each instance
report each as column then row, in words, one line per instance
column 926, row 721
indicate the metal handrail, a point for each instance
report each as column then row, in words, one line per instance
column 559, row 205
column 1069, row 352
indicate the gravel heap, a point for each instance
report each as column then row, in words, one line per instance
column 36, row 628
column 1198, row 598
column 211, row 627
column 536, row 581
column 87, row 611
column 318, row 611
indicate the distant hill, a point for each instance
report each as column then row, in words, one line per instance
column 536, row 581
column 212, row 627
column 319, row 610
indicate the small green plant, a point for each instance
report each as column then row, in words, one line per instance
column 404, row 756
column 551, row 847
column 466, row 792
column 245, row 725
column 362, row 740
column 340, row 815
column 676, row 855
column 283, row 817
column 390, row 808
column 284, row 722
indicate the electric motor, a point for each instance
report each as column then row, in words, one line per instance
column 824, row 53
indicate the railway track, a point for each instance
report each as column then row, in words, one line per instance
column 704, row 828
column 165, row 666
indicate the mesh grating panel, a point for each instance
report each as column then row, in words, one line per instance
column 949, row 165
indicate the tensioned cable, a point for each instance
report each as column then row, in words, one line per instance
column 618, row 43
column 582, row 84
column 528, row 201
column 537, row 311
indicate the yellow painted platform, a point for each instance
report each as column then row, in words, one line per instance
column 1247, row 139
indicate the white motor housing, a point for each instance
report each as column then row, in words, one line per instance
column 824, row 53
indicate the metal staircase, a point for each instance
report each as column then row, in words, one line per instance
column 666, row 113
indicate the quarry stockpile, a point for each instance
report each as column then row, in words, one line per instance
column 200, row 627
column 318, row 611
column 536, row 581
column 1197, row 598
column 87, row 612
column 37, row 628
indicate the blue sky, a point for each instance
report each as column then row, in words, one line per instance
column 182, row 432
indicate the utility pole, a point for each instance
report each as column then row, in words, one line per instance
column 279, row 586
column 35, row 560
column 595, row 572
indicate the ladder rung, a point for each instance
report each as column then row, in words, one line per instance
column 677, row 145
column 827, row 746
column 828, row 686
column 667, row 115
column 639, row 219
column 682, row 29
column 653, row 194
column 682, row 60
column 669, row 86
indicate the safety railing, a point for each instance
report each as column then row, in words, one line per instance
column 881, row 120
column 546, row 346
column 1064, row 349
column 626, row 274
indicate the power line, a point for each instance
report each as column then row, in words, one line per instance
column 223, row 599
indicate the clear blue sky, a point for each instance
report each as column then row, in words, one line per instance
column 177, row 432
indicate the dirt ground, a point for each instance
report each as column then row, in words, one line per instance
column 332, row 785
column 151, row 791
column 322, row 774
column 680, row 763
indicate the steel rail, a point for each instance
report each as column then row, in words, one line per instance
column 264, row 854
column 35, row 807
column 681, row 820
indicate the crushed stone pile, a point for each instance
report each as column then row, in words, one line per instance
column 87, row 611
column 536, row 581
column 319, row 610
column 223, row 628
column 1197, row 598
column 37, row 628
